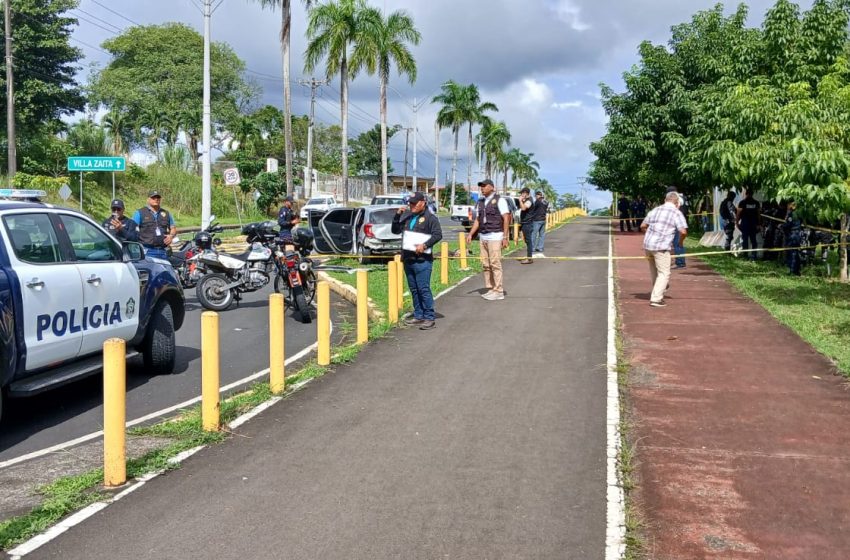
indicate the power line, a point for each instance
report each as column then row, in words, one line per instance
column 108, row 9
column 110, row 31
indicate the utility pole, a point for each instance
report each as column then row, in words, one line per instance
column 415, row 134
column 314, row 86
column 437, row 162
column 406, row 143
column 10, row 94
column 206, row 158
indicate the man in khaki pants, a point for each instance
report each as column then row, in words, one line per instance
column 661, row 226
column 492, row 221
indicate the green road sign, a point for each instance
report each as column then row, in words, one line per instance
column 96, row 163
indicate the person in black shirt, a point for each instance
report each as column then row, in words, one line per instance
column 538, row 222
column 287, row 218
column 729, row 213
column 119, row 225
column 526, row 220
column 793, row 229
column 419, row 263
column 749, row 222
column 624, row 207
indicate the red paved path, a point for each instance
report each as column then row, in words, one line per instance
column 744, row 452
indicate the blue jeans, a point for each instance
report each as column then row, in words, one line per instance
column 419, row 282
column 528, row 234
column 157, row 252
column 538, row 235
column 678, row 249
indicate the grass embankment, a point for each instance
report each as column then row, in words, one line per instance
column 815, row 307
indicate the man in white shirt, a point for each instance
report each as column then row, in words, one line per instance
column 663, row 224
column 491, row 223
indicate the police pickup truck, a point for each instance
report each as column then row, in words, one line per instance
column 66, row 286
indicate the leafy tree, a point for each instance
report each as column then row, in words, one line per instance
column 155, row 82
column 367, row 151
column 335, row 30
column 452, row 115
column 45, row 66
column 474, row 114
column 383, row 46
column 494, row 137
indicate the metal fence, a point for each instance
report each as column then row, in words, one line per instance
column 359, row 190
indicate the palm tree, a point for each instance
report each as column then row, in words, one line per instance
column 494, row 136
column 382, row 45
column 285, row 41
column 334, row 29
column 451, row 115
column 474, row 111
column 115, row 124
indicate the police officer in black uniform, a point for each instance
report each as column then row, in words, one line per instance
column 156, row 226
column 119, row 225
column 287, row 218
column 793, row 229
column 729, row 213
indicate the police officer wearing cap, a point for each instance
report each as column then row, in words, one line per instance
column 156, row 226
column 287, row 219
column 119, row 225
column 419, row 263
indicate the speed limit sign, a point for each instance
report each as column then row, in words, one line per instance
column 231, row 177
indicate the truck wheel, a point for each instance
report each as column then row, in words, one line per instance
column 159, row 348
column 212, row 294
column 363, row 255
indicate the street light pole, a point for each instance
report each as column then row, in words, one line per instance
column 415, row 132
column 10, row 94
column 206, row 157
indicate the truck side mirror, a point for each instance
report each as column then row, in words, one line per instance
column 133, row 252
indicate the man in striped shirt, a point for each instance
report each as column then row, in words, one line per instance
column 661, row 226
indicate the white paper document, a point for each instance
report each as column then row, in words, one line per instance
column 410, row 239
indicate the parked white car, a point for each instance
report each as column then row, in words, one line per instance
column 318, row 204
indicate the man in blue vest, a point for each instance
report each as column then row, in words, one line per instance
column 492, row 221
column 156, row 226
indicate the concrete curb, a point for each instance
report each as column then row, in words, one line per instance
column 349, row 293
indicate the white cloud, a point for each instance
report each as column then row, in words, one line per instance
column 564, row 105
column 571, row 13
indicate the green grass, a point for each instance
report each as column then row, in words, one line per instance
column 815, row 307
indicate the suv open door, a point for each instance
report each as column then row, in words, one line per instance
column 320, row 244
column 337, row 229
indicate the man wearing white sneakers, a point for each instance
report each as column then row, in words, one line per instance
column 541, row 211
column 492, row 221
column 663, row 224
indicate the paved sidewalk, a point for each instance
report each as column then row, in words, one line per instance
column 742, row 428
column 483, row 439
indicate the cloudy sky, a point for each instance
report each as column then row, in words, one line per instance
column 540, row 61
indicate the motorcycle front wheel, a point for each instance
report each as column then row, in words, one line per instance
column 212, row 293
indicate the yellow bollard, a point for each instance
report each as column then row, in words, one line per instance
column 362, row 307
column 516, row 234
column 444, row 263
column 277, row 338
column 323, row 337
column 461, row 243
column 400, row 272
column 392, row 286
column 114, row 412
column 210, row 374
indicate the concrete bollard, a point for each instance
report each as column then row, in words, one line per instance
column 210, row 372
column 444, row 263
column 114, row 412
column 323, row 335
column 461, row 243
column 392, row 296
column 516, row 234
column 362, row 307
column 277, row 339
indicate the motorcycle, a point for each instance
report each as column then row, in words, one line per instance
column 185, row 260
column 229, row 276
column 296, row 279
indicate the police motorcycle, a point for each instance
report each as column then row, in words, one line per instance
column 186, row 259
column 227, row 277
column 296, row 278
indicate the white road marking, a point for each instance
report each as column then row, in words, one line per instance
column 148, row 417
column 615, row 535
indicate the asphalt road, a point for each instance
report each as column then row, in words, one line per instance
column 484, row 438
column 52, row 418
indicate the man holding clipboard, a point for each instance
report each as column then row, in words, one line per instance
column 420, row 231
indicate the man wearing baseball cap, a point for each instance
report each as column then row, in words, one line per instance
column 492, row 221
column 156, row 226
column 287, row 218
column 119, row 225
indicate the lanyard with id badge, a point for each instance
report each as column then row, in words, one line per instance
column 158, row 231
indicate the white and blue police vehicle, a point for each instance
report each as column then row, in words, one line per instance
column 66, row 286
